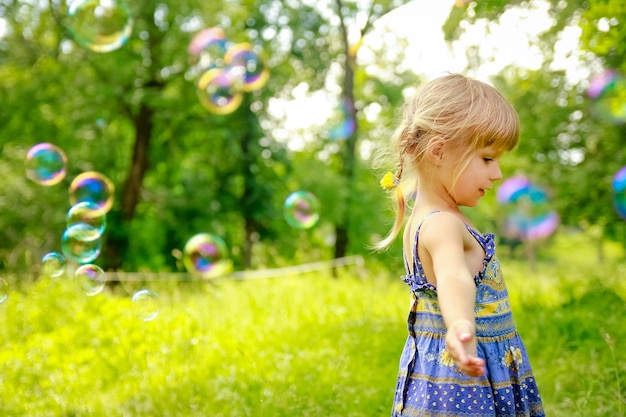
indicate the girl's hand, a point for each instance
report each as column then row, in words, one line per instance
column 461, row 345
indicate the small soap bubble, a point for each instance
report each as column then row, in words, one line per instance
column 302, row 210
column 528, row 211
column 100, row 25
column 90, row 278
column 206, row 255
column 608, row 92
column 4, row 290
column 145, row 304
column 346, row 124
column 93, row 187
column 619, row 192
column 53, row 264
column 249, row 64
column 46, row 164
column 89, row 213
column 81, row 243
column 219, row 90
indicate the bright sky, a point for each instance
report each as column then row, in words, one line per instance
column 509, row 42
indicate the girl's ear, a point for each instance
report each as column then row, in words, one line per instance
column 435, row 148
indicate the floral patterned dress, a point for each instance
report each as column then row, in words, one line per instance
column 429, row 384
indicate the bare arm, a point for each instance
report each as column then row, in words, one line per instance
column 443, row 238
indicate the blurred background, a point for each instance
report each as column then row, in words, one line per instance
column 204, row 139
column 148, row 96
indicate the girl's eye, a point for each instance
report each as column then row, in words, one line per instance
column 487, row 159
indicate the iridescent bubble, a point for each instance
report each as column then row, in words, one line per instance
column 90, row 278
column 46, row 164
column 100, row 25
column 249, row 64
column 145, row 305
column 346, row 124
column 93, row 187
column 302, row 210
column 53, row 264
column 81, row 243
column 528, row 212
column 89, row 213
column 4, row 290
column 208, row 47
column 206, row 255
column 608, row 92
column 219, row 91
column 619, row 192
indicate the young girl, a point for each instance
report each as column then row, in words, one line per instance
column 463, row 355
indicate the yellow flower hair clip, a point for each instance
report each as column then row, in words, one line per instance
column 389, row 182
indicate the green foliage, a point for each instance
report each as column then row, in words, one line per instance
column 199, row 176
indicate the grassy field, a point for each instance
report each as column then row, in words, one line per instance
column 309, row 345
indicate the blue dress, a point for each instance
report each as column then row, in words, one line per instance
column 429, row 384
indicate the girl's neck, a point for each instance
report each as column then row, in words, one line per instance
column 431, row 195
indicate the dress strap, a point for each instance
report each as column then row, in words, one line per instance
column 416, row 265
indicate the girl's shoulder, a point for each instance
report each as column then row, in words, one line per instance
column 439, row 220
column 437, row 225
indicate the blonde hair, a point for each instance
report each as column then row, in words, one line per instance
column 463, row 113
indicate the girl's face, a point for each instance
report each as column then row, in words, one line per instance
column 482, row 170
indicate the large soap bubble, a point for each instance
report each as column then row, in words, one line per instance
column 90, row 278
column 529, row 215
column 46, row 164
column 81, row 243
column 206, row 255
column 243, row 58
column 53, row 264
column 100, row 25
column 608, row 92
column 301, row 210
column 619, row 192
column 89, row 213
column 219, row 90
column 145, row 305
column 92, row 187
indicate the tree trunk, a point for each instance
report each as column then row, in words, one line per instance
column 247, row 200
column 117, row 242
column 347, row 169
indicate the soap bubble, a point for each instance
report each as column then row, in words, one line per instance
column 252, row 68
column 53, row 264
column 208, row 48
column 46, row 164
column 93, row 187
column 145, row 305
column 90, row 278
column 81, row 243
column 89, row 213
column 608, row 92
column 219, row 90
column 206, row 255
column 619, row 192
column 345, row 125
column 528, row 212
column 301, row 210
column 4, row 290
column 100, row 25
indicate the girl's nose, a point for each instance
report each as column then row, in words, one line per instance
column 497, row 173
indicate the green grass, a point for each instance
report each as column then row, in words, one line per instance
column 309, row 346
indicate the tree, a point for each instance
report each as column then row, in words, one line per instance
column 133, row 115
